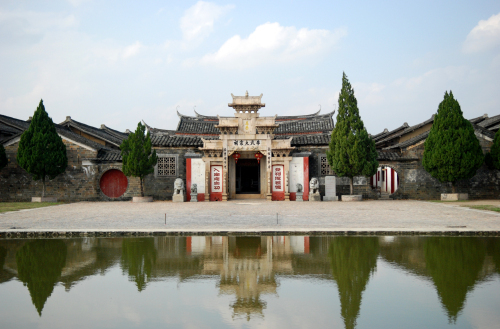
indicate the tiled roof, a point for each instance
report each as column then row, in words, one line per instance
column 203, row 125
column 423, row 136
column 61, row 130
column 8, row 129
column 405, row 131
column 196, row 125
column 16, row 123
column 323, row 123
column 177, row 141
column 479, row 119
column 278, row 118
column 409, row 142
column 106, row 134
column 107, row 155
column 387, row 134
column 393, row 156
column 490, row 122
column 312, row 139
column 484, row 131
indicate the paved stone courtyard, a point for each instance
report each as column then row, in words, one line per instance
column 253, row 216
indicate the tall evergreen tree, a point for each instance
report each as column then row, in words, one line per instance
column 493, row 157
column 451, row 151
column 3, row 157
column 41, row 150
column 352, row 152
column 138, row 161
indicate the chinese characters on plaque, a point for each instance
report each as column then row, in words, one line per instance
column 216, row 175
column 278, row 178
column 247, row 142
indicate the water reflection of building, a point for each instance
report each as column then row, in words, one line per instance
column 250, row 268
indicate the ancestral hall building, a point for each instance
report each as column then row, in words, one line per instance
column 239, row 157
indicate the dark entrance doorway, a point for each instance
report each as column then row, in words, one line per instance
column 247, row 176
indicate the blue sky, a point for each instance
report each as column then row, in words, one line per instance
column 118, row 62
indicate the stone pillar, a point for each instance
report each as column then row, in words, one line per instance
column 287, row 180
column 224, row 170
column 207, row 179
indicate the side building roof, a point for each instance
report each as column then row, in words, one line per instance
column 104, row 133
column 63, row 131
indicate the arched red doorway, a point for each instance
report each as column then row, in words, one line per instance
column 113, row 183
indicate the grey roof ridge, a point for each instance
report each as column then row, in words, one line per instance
column 388, row 134
column 315, row 114
column 90, row 130
column 409, row 129
column 424, row 135
column 17, row 123
column 114, row 132
column 410, row 141
column 479, row 119
column 67, row 134
column 490, row 121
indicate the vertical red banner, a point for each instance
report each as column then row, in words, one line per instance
column 278, row 183
column 305, row 197
column 216, row 183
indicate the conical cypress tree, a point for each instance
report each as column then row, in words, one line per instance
column 3, row 157
column 137, row 159
column 41, row 151
column 493, row 157
column 451, row 151
column 352, row 152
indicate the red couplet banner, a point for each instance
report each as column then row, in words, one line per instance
column 216, row 180
column 278, row 183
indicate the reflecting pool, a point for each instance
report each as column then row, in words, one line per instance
column 253, row 281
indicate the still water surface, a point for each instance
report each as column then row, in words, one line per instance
column 247, row 282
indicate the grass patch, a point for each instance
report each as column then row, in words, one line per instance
column 485, row 207
column 13, row 206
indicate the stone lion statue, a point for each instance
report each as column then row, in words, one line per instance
column 299, row 187
column 194, row 188
column 179, row 186
column 314, row 185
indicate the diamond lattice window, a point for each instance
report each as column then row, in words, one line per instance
column 325, row 167
column 166, row 166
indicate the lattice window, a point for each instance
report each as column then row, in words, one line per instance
column 167, row 166
column 324, row 166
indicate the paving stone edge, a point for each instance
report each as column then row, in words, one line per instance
column 18, row 234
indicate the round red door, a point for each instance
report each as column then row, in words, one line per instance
column 113, row 183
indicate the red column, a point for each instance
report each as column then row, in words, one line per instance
column 305, row 196
column 392, row 180
column 188, row 179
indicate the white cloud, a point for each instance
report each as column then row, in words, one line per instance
column 484, row 36
column 198, row 21
column 271, row 42
column 132, row 50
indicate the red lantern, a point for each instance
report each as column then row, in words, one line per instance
column 236, row 156
column 259, row 156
